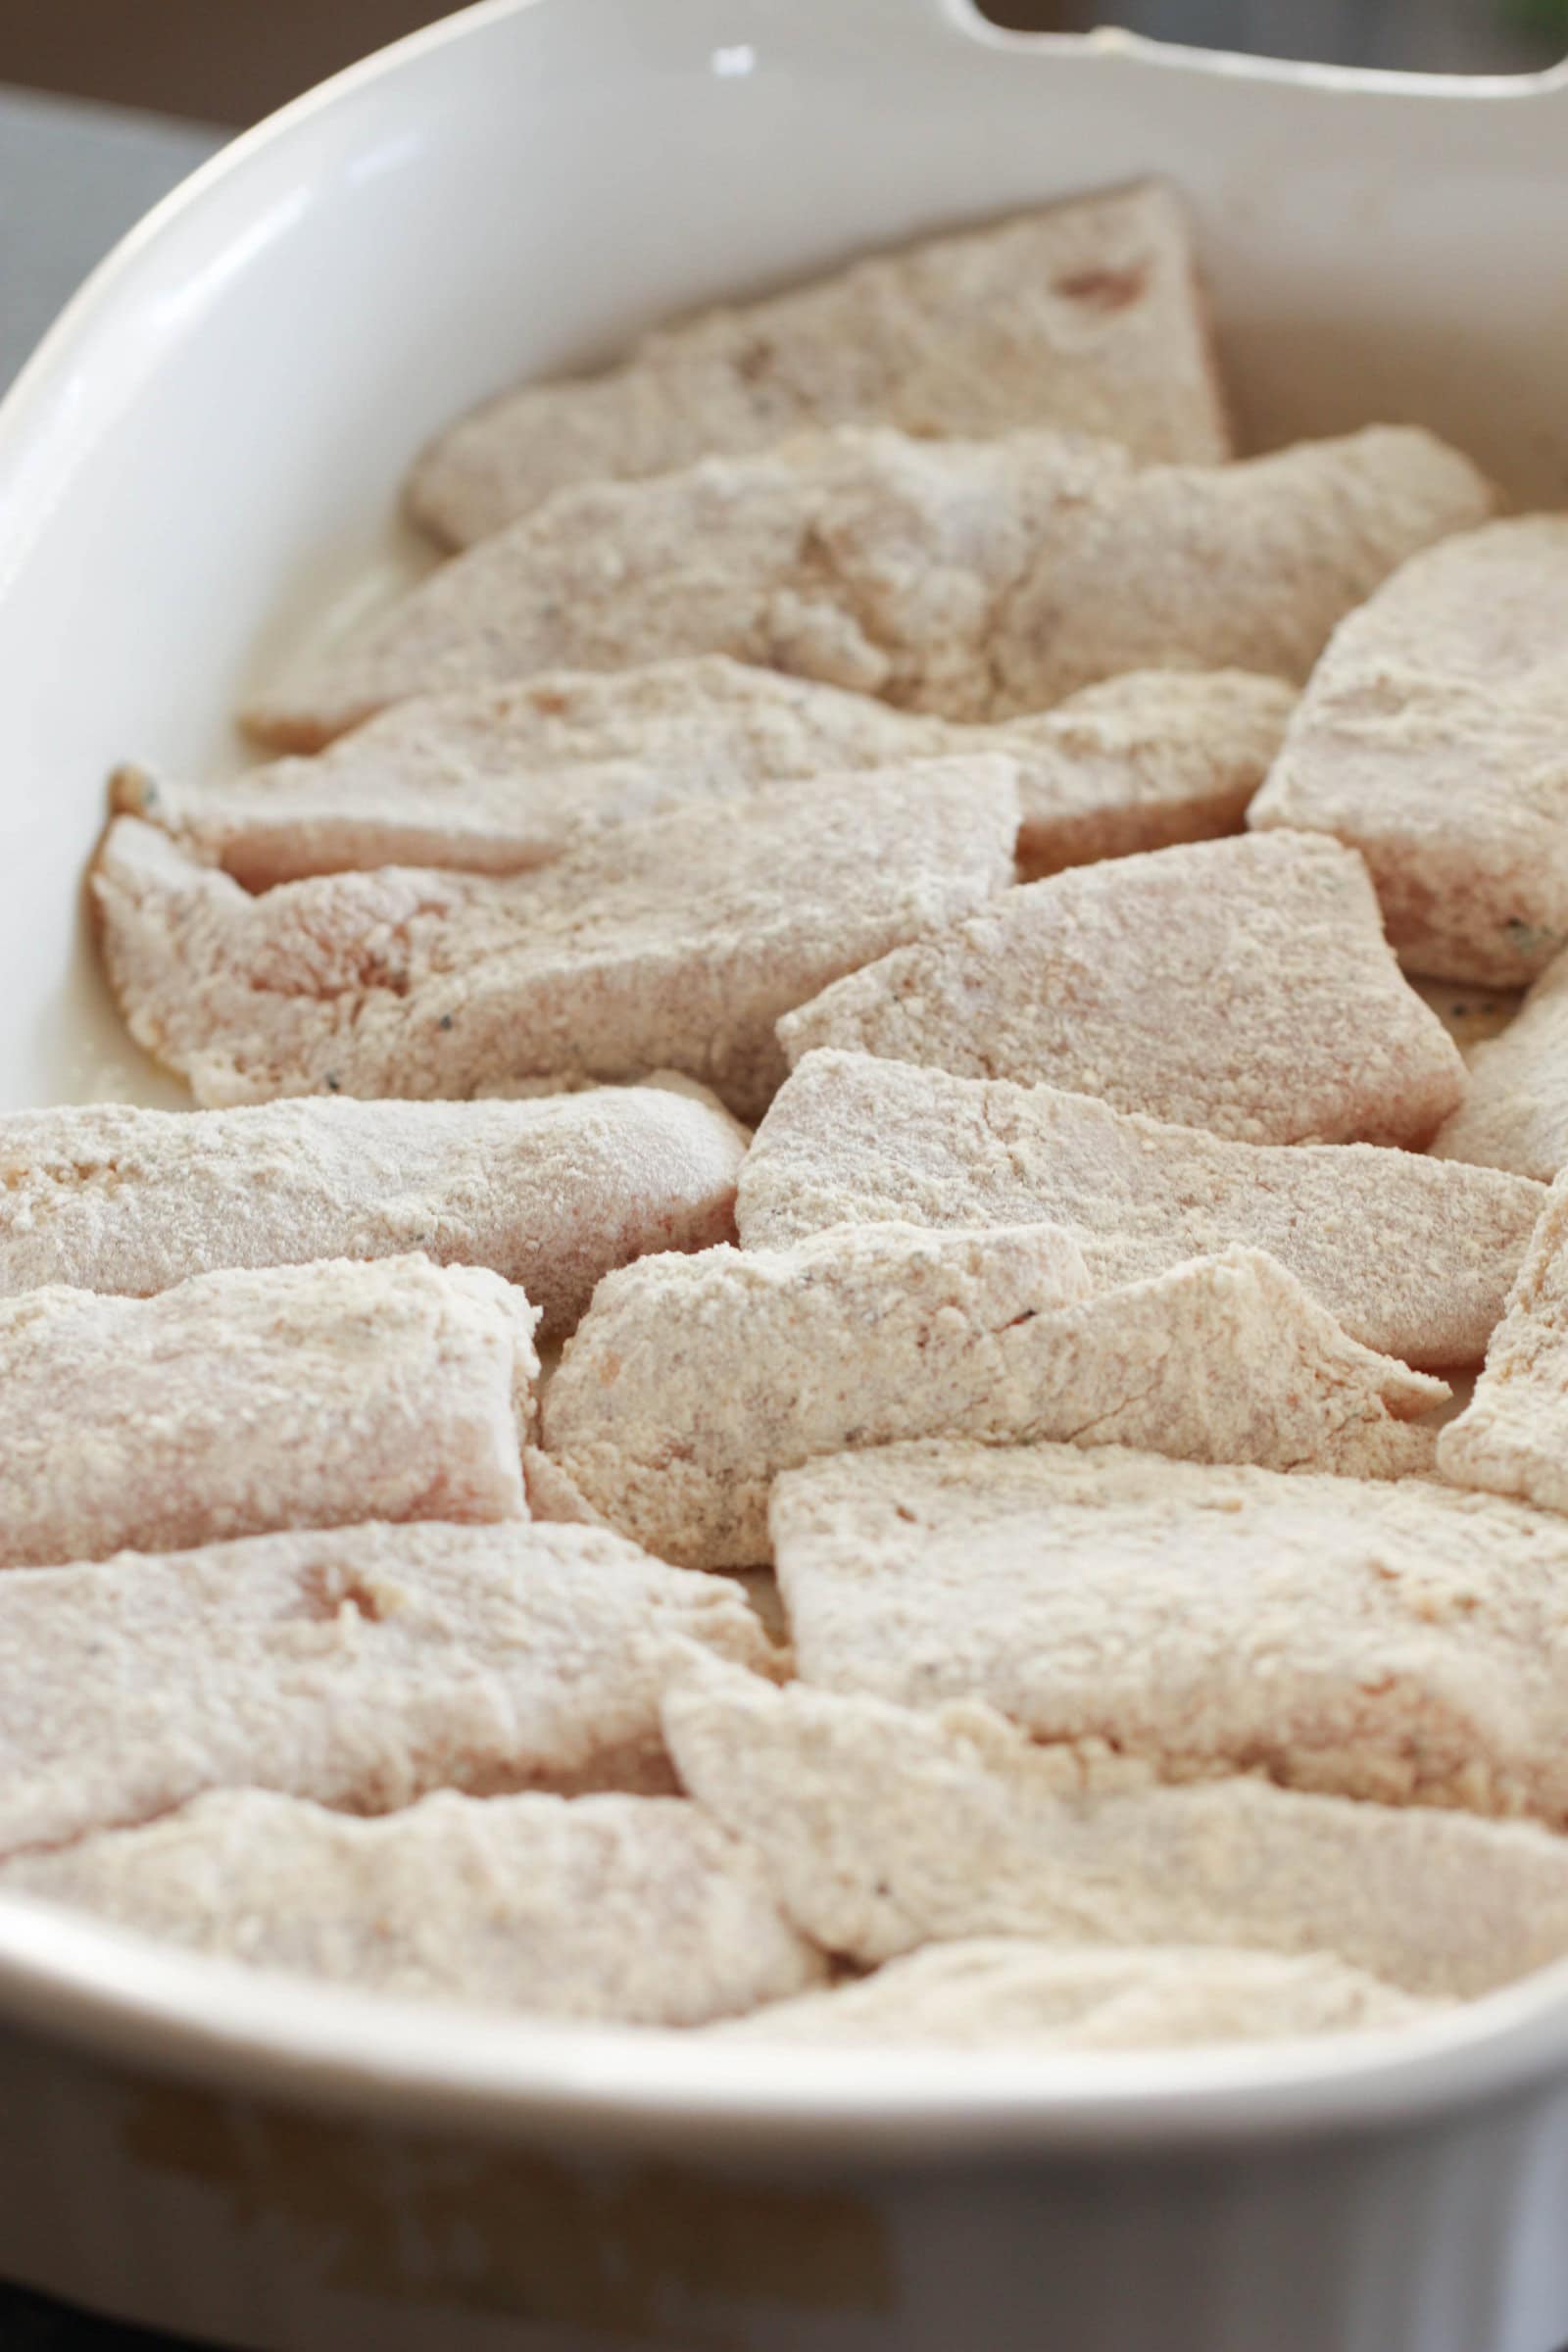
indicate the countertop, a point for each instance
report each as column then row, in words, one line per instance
column 72, row 180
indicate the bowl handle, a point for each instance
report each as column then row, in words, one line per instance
column 1548, row 87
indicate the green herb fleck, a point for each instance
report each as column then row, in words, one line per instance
column 1532, row 939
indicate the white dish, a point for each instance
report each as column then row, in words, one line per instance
column 206, row 443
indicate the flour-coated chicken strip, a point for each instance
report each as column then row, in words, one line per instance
column 1240, row 986
column 502, row 778
column 1515, row 1112
column 359, row 1666
column 883, row 1827
column 241, row 1403
column 671, row 945
column 1403, row 1641
column 692, row 1382
column 550, row 1192
column 990, row 1992
column 1415, row 1257
column 1086, row 314
column 973, row 579
column 639, row 1910
column 1433, row 737
column 1513, row 1436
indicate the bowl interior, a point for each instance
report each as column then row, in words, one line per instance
column 201, row 464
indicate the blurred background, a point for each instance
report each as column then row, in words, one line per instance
column 230, row 61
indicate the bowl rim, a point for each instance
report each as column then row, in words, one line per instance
column 290, row 2041
column 37, row 380
column 131, row 2001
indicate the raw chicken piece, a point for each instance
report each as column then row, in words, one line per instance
column 238, row 1402
column 692, row 1381
column 1242, row 986
column 1515, row 1114
column 636, row 1909
column 1009, row 1992
column 1403, row 1641
column 1433, row 738
column 359, row 1666
column 1412, row 1255
column 975, row 579
column 550, row 1193
column 1142, row 762
column 671, row 945
column 503, row 778
column 1513, row 1436
column 882, row 1829
column 1087, row 314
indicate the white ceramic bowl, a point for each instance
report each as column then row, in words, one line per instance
column 198, row 465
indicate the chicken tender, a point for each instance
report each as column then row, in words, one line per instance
column 882, row 1828
column 973, row 579
column 550, row 1193
column 1142, row 762
column 1515, row 1114
column 1005, row 1991
column 1403, row 1641
column 1240, row 986
column 504, row 778
column 1086, row 314
column 1413, row 1256
column 1513, row 1436
column 672, row 945
column 635, row 1909
column 237, row 1404
column 362, row 1666
column 1434, row 739
column 692, row 1381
